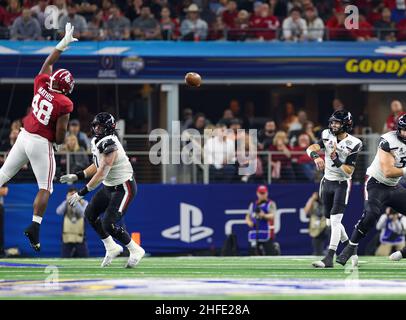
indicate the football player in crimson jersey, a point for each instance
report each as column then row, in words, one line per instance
column 44, row 126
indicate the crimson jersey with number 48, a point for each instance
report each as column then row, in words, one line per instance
column 47, row 107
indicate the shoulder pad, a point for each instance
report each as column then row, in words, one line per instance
column 107, row 146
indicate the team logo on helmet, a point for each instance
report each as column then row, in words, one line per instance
column 345, row 118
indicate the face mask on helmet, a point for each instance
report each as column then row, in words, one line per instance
column 335, row 129
column 103, row 125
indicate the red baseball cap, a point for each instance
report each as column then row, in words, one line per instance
column 262, row 189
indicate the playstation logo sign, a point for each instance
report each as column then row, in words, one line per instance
column 190, row 228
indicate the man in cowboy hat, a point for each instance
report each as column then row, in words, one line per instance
column 193, row 28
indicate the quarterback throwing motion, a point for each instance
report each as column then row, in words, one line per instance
column 111, row 167
column 341, row 151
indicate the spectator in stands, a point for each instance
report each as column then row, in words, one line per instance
column 38, row 12
column 266, row 135
column 106, row 5
column 263, row 24
column 74, row 129
column 219, row 153
column 62, row 9
column 230, row 14
column 290, row 116
column 25, row 27
column 385, row 27
column 392, row 120
column 337, row 105
column 73, row 231
column 315, row 25
column 134, row 9
column 393, row 228
column 169, row 26
column 309, row 129
column 298, row 123
column 86, row 8
column 302, row 164
column 85, row 118
column 318, row 229
column 227, row 117
column 117, row 26
column 365, row 30
column 187, row 119
column 399, row 12
column 3, row 193
column 199, row 122
column 260, row 220
column 375, row 14
column 281, row 158
column 77, row 161
column 146, row 27
column 240, row 30
column 278, row 8
column 96, row 30
column 336, row 27
column 217, row 30
column 78, row 22
column 401, row 30
column 234, row 106
column 8, row 144
column 12, row 12
column 294, row 27
column 247, row 157
column 218, row 7
column 193, row 28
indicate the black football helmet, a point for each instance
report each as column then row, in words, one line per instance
column 106, row 123
column 345, row 118
column 401, row 125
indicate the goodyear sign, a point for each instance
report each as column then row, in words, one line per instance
column 395, row 67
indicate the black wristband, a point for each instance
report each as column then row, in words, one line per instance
column 80, row 174
column 314, row 155
column 337, row 162
column 83, row 192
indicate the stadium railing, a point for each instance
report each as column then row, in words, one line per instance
column 146, row 172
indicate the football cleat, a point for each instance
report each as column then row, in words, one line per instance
column 326, row 262
column 346, row 254
column 135, row 258
column 354, row 261
column 111, row 254
column 396, row 256
column 32, row 233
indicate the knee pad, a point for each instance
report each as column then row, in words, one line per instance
column 336, row 219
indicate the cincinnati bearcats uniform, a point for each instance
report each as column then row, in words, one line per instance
column 34, row 142
column 335, row 186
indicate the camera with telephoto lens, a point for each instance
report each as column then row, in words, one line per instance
column 257, row 211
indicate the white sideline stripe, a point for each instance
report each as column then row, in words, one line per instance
column 112, row 50
column 347, row 194
column 46, row 50
column 6, row 50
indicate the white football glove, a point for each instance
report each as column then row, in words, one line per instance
column 56, row 147
column 67, row 39
column 69, row 178
column 74, row 199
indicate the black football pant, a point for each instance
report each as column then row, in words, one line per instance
column 113, row 202
column 378, row 196
column 334, row 196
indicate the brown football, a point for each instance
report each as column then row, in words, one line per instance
column 193, row 79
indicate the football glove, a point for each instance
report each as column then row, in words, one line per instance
column 69, row 178
column 74, row 199
column 67, row 39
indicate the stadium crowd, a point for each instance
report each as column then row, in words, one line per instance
column 199, row 20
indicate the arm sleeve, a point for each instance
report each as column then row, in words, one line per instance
column 352, row 157
column 384, row 145
column 107, row 146
column 320, row 142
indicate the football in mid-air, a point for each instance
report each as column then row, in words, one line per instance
column 193, row 79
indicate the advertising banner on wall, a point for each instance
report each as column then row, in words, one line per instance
column 181, row 219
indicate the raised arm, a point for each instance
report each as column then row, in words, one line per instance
column 60, row 47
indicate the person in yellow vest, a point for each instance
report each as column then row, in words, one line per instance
column 73, row 231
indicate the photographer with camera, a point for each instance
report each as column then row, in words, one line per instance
column 393, row 229
column 260, row 220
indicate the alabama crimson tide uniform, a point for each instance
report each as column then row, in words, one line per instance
column 34, row 143
column 47, row 107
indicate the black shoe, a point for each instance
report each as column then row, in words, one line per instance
column 326, row 262
column 346, row 254
column 32, row 233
